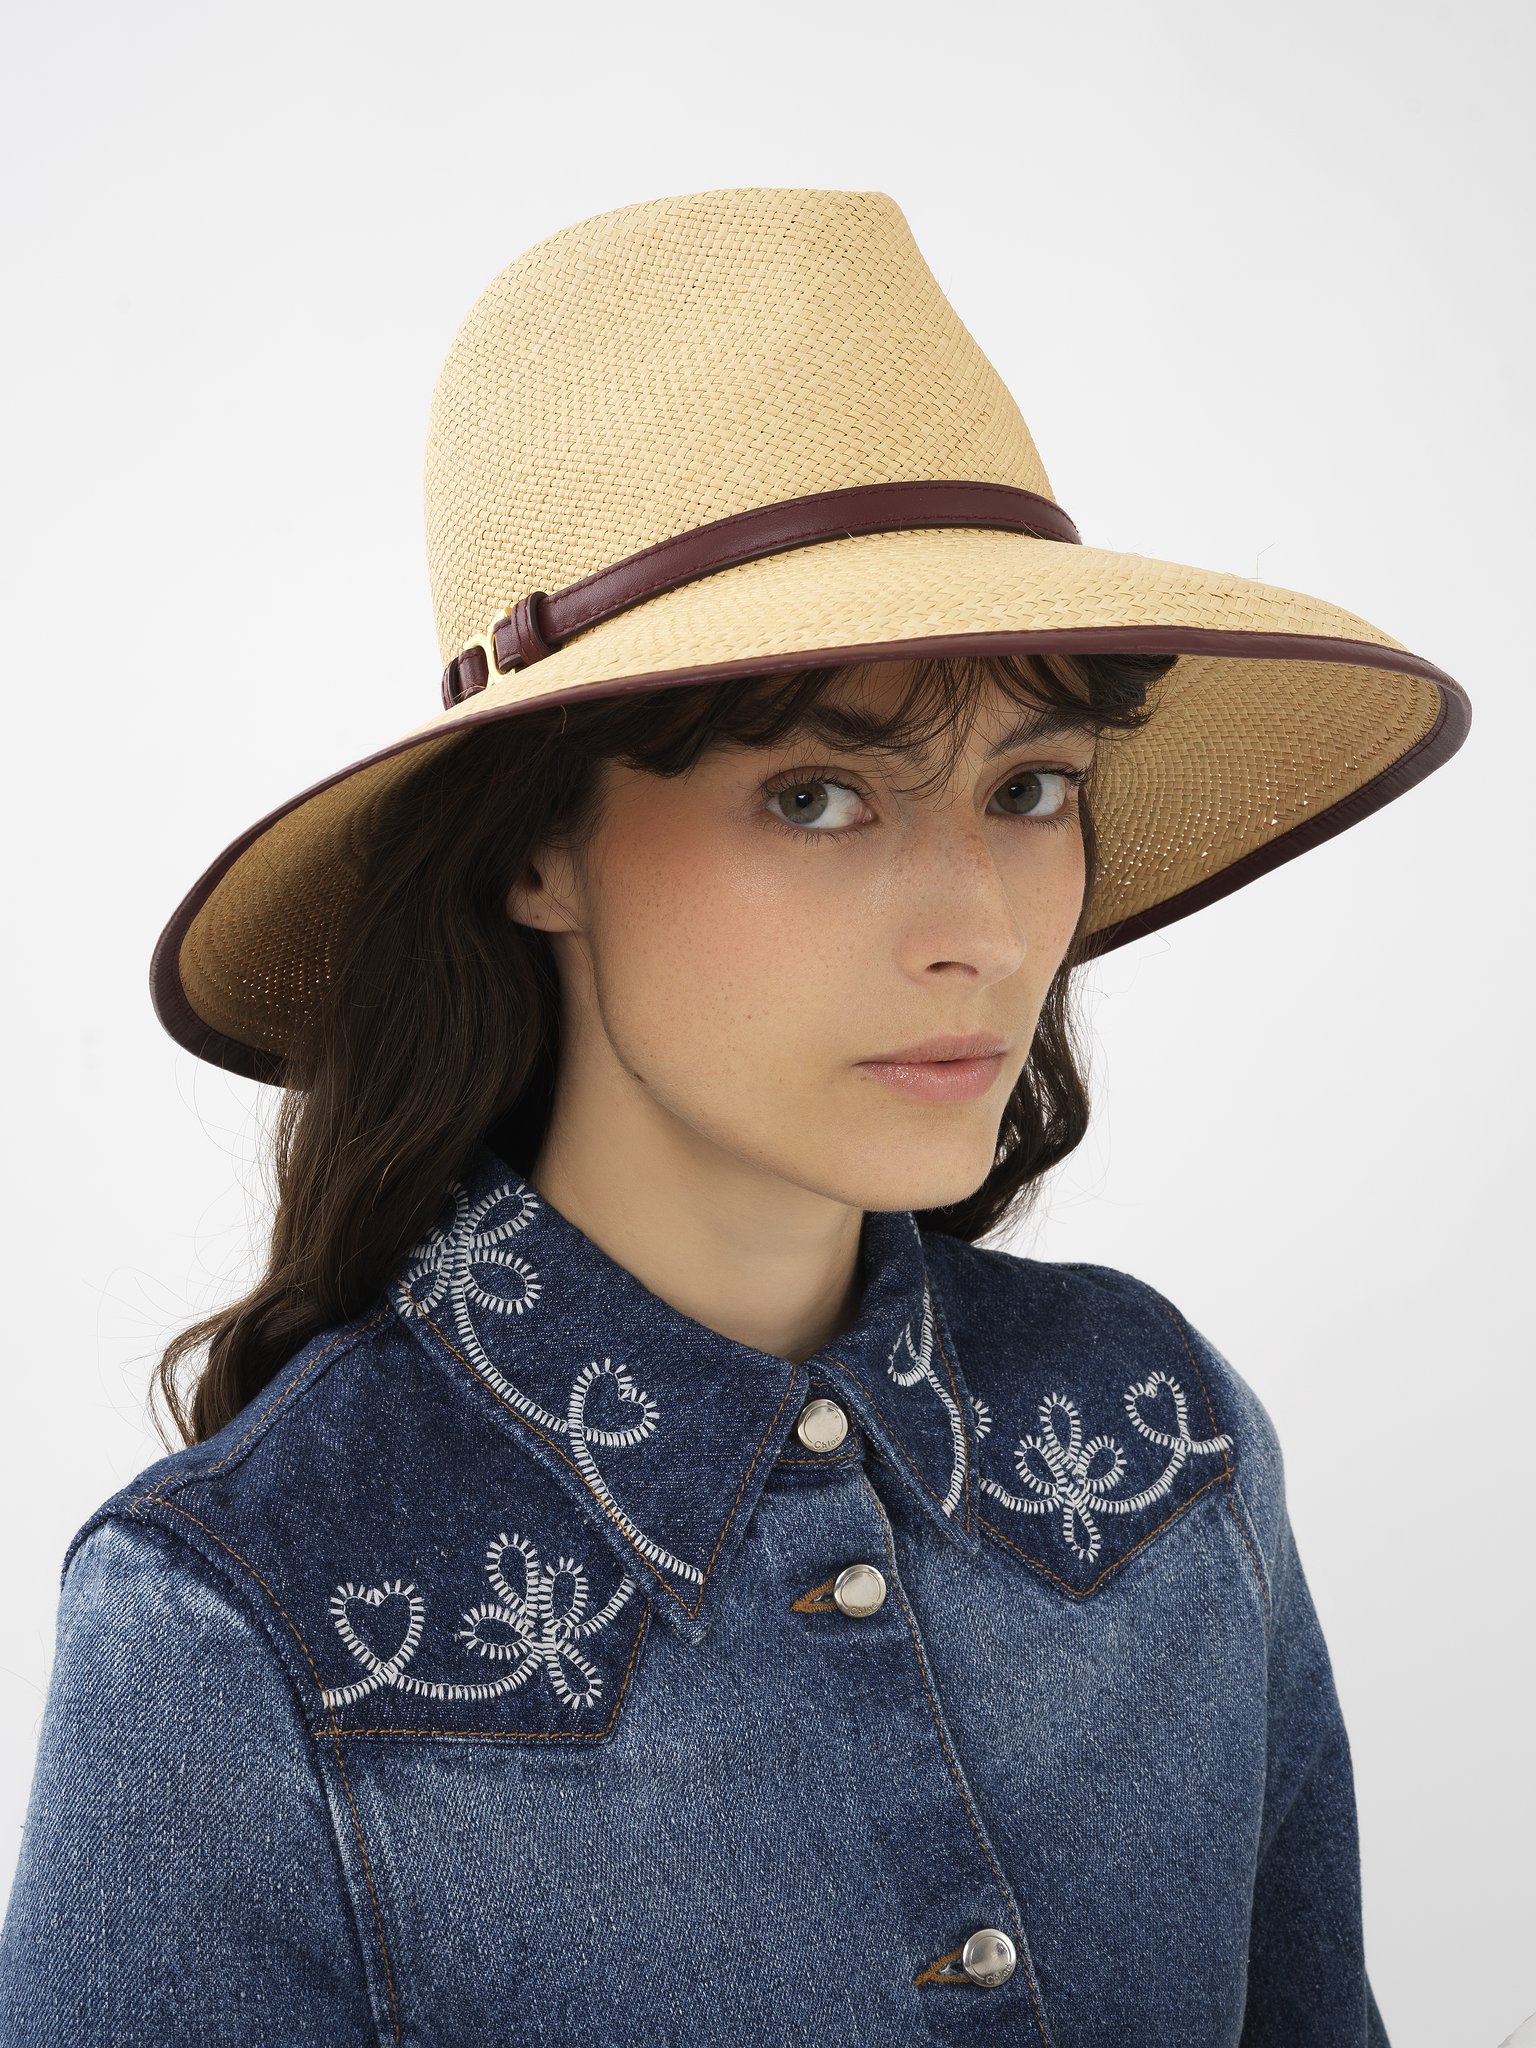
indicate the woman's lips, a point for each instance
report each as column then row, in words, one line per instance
column 937, row 1080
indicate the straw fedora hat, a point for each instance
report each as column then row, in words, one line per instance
column 739, row 431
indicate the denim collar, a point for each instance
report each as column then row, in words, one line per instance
column 662, row 1430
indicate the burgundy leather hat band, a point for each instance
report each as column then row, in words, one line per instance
column 544, row 620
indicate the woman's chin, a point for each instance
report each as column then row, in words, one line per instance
column 928, row 1178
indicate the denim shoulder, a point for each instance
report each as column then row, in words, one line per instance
column 1102, row 1414
column 226, row 1514
column 391, row 1533
column 209, row 1496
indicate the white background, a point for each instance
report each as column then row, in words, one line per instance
column 1260, row 281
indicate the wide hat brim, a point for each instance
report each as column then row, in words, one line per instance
column 1285, row 720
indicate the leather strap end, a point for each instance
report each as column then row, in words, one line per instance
column 466, row 674
column 519, row 638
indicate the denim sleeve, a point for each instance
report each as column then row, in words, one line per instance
column 1307, row 1980
column 179, row 1879
column 1308, row 1986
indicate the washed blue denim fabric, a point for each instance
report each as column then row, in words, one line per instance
column 530, row 1663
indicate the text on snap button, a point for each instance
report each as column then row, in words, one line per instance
column 859, row 1588
column 988, row 1956
column 823, row 1424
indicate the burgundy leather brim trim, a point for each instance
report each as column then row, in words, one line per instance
column 1443, row 738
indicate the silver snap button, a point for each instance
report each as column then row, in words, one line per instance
column 988, row 1956
column 859, row 1589
column 823, row 1425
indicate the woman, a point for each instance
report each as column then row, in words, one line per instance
column 642, row 1570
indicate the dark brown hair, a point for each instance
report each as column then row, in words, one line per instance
column 441, row 1019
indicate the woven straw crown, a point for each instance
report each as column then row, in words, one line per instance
column 688, row 360
column 673, row 362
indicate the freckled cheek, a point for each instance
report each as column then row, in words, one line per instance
column 1050, row 896
column 716, row 964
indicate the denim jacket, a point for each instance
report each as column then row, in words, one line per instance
column 529, row 1663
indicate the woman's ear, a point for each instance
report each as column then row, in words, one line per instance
column 545, row 895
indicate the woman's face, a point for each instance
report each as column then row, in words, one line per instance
column 739, row 943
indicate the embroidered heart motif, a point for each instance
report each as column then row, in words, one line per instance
column 581, row 1431
column 524, row 1632
column 360, row 1608
column 1170, row 1408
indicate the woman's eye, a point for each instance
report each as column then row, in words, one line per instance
column 1039, row 792
column 807, row 803
column 820, row 807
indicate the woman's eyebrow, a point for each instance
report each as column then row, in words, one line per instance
column 1038, row 726
column 835, row 726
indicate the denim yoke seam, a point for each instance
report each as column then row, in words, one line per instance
column 1226, row 1478
column 160, row 1501
column 896, row 1436
column 649, row 1563
column 1082, row 1592
column 949, row 1758
column 521, row 1734
column 1227, row 1470
column 1246, row 1507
